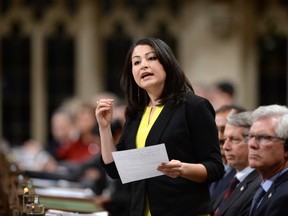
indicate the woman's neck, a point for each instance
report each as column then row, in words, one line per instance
column 153, row 103
column 154, row 99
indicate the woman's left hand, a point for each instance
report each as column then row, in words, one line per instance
column 173, row 168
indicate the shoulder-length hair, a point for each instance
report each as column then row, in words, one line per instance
column 176, row 83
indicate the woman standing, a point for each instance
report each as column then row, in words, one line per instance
column 162, row 108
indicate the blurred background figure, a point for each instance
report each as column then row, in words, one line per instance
column 88, row 143
column 203, row 90
column 223, row 93
column 62, row 131
column 30, row 156
column 73, row 152
column 81, row 156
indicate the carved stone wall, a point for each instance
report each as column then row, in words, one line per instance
column 213, row 40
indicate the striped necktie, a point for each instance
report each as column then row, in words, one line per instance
column 232, row 186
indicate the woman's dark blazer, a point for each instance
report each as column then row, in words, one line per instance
column 190, row 135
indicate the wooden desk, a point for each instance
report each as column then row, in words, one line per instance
column 78, row 202
column 68, row 199
column 70, row 204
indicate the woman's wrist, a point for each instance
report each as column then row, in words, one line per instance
column 181, row 170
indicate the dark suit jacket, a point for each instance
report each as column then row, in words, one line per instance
column 217, row 188
column 190, row 135
column 275, row 201
column 240, row 200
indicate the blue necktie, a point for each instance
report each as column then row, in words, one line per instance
column 257, row 198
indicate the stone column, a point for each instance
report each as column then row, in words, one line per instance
column 89, row 79
column 39, row 111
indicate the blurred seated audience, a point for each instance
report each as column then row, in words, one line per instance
column 88, row 143
column 74, row 152
column 62, row 130
column 31, row 156
column 35, row 162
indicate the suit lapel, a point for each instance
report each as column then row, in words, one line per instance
column 156, row 131
column 241, row 188
column 271, row 191
column 132, row 131
column 158, row 128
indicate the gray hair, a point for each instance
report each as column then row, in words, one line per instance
column 269, row 110
column 277, row 111
column 282, row 127
column 242, row 119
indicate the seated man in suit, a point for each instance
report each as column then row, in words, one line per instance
column 232, row 200
column 268, row 153
column 216, row 188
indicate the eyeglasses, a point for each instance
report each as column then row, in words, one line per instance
column 262, row 139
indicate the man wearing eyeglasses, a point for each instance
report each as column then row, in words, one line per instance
column 237, row 198
column 268, row 153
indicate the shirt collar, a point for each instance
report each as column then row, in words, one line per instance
column 243, row 173
column 267, row 184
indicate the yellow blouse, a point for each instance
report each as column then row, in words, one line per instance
column 146, row 124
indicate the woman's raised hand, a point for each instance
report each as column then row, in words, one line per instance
column 103, row 112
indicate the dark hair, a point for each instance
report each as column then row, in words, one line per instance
column 176, row 83
column 226, row 87
column 228, row 107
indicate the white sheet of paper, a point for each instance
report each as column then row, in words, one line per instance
column 65, row 192
column 142, row 163
column 55, row 212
